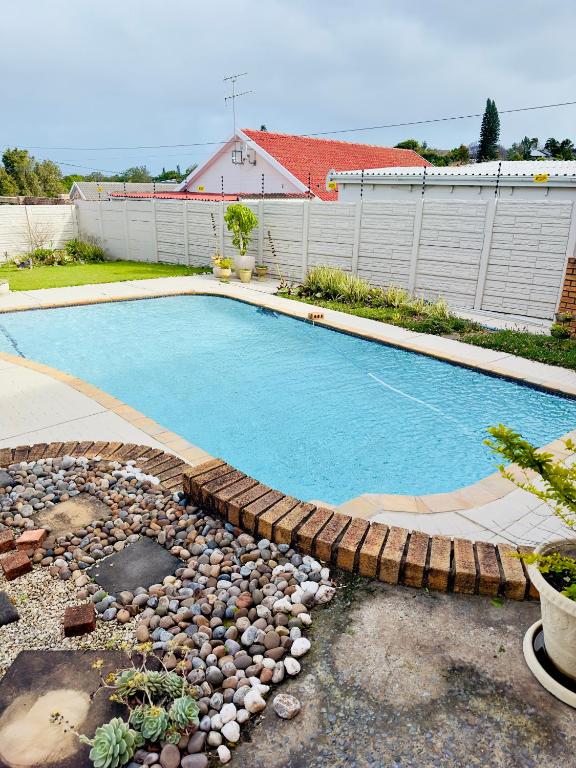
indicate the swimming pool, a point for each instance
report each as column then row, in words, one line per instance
column 312, row 412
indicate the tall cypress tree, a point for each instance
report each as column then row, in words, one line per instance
column 489, row 133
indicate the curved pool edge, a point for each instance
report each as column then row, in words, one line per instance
column 366, row 506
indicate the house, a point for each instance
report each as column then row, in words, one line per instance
column 512, row 179
column 101, row 190
column 261, row 163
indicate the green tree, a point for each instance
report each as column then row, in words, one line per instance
column 138, row 174
column 240, row 221
column 8, row 186
column 459, row 155
column 489, row 133
column 560, row 150
column 522, row 150
column 21, row 167
column 410, row 144
column 50, row 178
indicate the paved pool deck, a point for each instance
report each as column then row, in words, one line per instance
column 491, row 510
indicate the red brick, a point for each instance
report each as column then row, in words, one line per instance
column 349, row 545
column 15, row 564
column 371, row 548
column 516, row 584
column 285, row 530
column 464, row 567
column 95, row 449
column 31, row 539
column 21, row 453
column 79, row 619
column 328, row 536
column 439, row 563
column 307, row 532
column 37, row 451
column 6, row 540
column 391, row 558
column 53, row 450
column 67, row 448
column 199, row 470
column 415, row 562
column 489, row 572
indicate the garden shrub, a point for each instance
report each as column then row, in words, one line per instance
column 84, row 250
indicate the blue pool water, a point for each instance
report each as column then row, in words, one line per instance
column 312, row 412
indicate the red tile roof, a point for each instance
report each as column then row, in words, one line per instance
column 312, row 158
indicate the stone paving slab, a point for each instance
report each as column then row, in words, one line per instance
column 41, row 682
column 138, row 565
column 70, row 515
column 8, row 612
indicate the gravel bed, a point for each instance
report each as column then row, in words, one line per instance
column 41, row 600
column 233, row 618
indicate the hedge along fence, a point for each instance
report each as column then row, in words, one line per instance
column 391, row 554
column 498, row 255
column 24, row 227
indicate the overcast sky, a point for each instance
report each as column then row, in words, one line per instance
column 126, row 73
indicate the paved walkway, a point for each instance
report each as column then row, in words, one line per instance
column 492, row 510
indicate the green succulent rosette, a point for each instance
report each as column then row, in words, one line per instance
column 184, row 712
column 114, row 744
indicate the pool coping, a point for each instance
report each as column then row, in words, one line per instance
column 390, row 554
column 488, row 489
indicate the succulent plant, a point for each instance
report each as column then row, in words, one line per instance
column 154, row 723
column 130, row 682
column 173, row 684
column 114, row 744
column 137, row 716
column 184, row 712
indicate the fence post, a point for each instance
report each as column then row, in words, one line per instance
column 357, row 236
column 186, row 243
column 261, row 230
column 127, row 232
column 305, row 229
column 485, row 253
column 415, row 245
column 154, row 228
column 101, row 222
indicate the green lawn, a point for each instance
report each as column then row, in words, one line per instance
column 83, row 274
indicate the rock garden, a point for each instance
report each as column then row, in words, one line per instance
column 97, row 558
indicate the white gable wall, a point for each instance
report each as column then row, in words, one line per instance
column 240, row 178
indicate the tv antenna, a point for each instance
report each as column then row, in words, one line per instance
column 233, row 96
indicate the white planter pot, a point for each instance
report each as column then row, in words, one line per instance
column 216, row 271
column 4, row 287
column 244, row 262
column 558, row 612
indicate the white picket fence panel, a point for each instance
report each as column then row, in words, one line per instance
column 487, row 254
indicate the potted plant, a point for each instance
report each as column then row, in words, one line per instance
column 552, row 566
column 241, row 222
column 216, row 264
column 225, row 269
column 261, row 271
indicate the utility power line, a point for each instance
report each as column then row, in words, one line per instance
column 318, row 133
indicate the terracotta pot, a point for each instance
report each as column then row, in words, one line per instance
column 558, row 612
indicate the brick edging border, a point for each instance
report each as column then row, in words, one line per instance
column 388, row 553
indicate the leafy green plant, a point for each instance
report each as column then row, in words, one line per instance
column 556, row 488
column 225, row 263
column 240, row 221
column 560, row 331
column 87, row 250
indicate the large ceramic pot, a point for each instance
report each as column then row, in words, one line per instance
column 558, row 612
column 225, row 273
column 244, row 262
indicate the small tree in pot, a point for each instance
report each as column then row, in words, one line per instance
column 241, row 221
column 552, row 566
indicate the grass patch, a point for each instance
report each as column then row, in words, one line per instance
column 533, row 346
column 84, row 274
